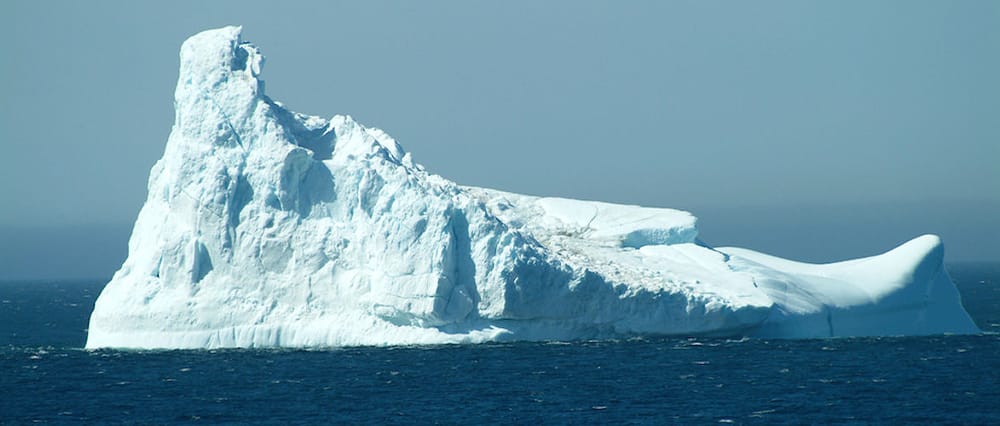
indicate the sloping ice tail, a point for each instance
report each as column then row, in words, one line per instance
column 905, row 291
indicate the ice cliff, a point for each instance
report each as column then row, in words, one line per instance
column 265, row 227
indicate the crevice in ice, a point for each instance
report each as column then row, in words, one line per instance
column 240, row 56
column 201, row 262
column 317, row 187
column 457, row 291
column 155, row 273
column 310, row 133
column 590, row 222
column 829, row 321
column 226, row 120
column 240, row 195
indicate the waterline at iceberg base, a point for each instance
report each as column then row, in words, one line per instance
column 265, row 227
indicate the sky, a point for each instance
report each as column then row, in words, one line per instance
column 817, row 131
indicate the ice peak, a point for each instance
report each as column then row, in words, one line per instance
column 213, row 58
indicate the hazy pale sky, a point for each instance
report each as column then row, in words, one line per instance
column 813, row 130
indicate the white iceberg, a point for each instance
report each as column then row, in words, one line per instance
column 264, row 227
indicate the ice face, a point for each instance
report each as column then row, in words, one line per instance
column 265, row 227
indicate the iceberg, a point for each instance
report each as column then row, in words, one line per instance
column 264, row 227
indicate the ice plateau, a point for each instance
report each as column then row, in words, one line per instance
column 265, row 227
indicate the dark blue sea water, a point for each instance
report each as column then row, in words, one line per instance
column 45, row 376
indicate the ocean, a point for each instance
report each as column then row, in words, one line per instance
column 46, row 376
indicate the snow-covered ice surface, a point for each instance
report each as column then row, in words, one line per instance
column 265, row 227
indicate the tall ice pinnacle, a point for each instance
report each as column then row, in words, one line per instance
column 265, row 227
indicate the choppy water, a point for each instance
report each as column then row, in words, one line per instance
column 45, row 376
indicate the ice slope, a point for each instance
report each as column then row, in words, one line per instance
column 904, row 291
column 264, row 227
